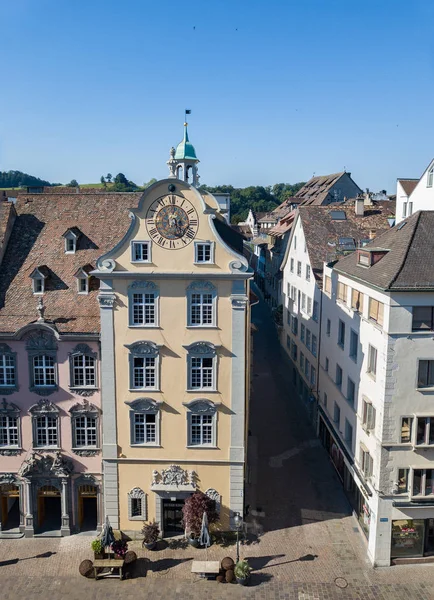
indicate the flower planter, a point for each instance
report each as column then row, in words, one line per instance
column 119, row 556
column 243, row 581
column 99, row 555
column 150, row 545
column 193, row 542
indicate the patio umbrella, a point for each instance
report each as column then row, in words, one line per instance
column 107, row 536
column 204, row 538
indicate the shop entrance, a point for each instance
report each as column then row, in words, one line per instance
column 172, row 517
column 49, row 508
column 87, row 507
column 10, row 507
column 429, row 539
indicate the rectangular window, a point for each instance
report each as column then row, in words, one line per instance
column 294, row 328
column 354, row 345
column 201, row 430
column 201, row 309
column 69, row 245
column 326, row 366
column 366, row 462
column 342, row 292
column 425, row 431
column 38, row 285
column 301, row 361
column 357, row 301
column 410, row 208
column 406, row 430
column 341, row 334
column 307, row 273
column 313, row 375
column 315, row 311
column 309, row 305
column 288, row 342
column 337, row 414
column 144, row 372
column 308, row 338
column 306, row 368
column 328, row 327
column 141, row 252
column 314, row 349
column 293, row 293
column 325, row 399
column 423, row 482
column 376, row 311
column 423, row 318
column 288, row 317
column 144, row 309
column 136, row 507
column 43, row 371
column 294, row 351
column 291, row 268
column 299, row 268
column 404, row 210
column 295, row 242
column 351, row 391
column 85, row 431
column 348, row 433
column 368, row 416
column 8, row 430
column 403, row 481
column 145, row 428
column 372, row 361
column 338, row 376
column 425, row 378
column 7, row 370
column 83, row 371
column 46, row 431
column 201, row 373
column 303, row 302
column 203, row 253
column 328, row 285
column 83, row 285
column 303, row 333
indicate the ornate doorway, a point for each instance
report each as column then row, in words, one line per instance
column 49, row 508
column 172, row 517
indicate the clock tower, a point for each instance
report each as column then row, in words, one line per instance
column 183, row 161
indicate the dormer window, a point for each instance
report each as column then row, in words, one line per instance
column 83, row 277
column 367, row 258
column 71, row 237
column 38, row 278
column 364, row 259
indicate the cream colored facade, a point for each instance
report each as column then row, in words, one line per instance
column 151, row 467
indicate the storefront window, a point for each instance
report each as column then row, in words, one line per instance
column 407, row 538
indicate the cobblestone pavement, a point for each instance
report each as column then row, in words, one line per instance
column 302, row 541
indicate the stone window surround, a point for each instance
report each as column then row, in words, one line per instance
column 82, row 350
column 144, row 349
column 202, row 406
column 137, row 494
column 44, row 407
column 9, row 409
column 149, row 245
column 145, row 406
column 9, row 389
column 202, row 349
column 143, row 287
column 38, row 344
column 85, row 409
column 202, row 287
column 211, row 245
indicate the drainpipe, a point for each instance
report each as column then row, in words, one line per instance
column 319, row 357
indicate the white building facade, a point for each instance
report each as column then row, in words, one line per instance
column 413, row 195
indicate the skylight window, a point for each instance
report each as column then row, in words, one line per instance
column 346, row 243
column 338, row 215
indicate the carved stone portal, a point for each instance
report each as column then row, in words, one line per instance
column 174, row 478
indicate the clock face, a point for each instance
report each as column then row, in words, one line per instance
column 172, row 222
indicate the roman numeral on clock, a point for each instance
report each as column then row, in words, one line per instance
column 191, row 211
column 161, row 241
column 172, row 244
column 153, row 232
column 173, row 199
column 190, row 234
column 193, row 222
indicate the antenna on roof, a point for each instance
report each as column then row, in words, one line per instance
column 345, row 169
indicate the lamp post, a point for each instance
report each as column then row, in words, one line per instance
column 238, row 520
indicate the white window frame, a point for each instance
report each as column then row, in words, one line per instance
column 70, row 236
column 145, row 243
column 291, row 265
column 83, row 350
column 430, row 177
column 143, row 288
column 44, row 369
column 144, row 406
column 6, row 355
column 299, row 268
column 307, row 272
column 45, row 409
column 12, row 423
column 412, row 423
column 366, row 462
column 372, row 372
column 144, row 350
column 85, row 411
column 368, row 415
column 200, row 350
column 38, row 282
column 201, row 288
column 197, row 410
column 211, row 247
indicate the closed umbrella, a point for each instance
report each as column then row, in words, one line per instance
column 107, row 536
column 204, row 538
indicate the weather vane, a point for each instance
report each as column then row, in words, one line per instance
column 187, row 112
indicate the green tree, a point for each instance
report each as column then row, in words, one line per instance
column 149, row 183
column 72, row 183
column 103, row 181
column 109, row 177
column 120, row 178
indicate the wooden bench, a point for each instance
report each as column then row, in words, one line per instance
column 108, row 563
column 206, row 568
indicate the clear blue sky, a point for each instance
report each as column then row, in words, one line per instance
column 278, row 89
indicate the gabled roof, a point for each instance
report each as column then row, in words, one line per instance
column 408, row 185
column 408, row 264
column 36, row 240
column 322, row 232
column 315, row 191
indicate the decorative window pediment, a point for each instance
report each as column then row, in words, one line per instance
column 83, row 370
column 202, row 422
column 202, row 348
column 41, row 349
column 84, row 407
column 201, row 286
column 85, row 428
column 144, row 405
column 137, row 505
column 202, row 366
column 202, row 406
column 43, row 406
column 214, row 495
column 144, row 422
column 9, row 408
column 174, row 478
column 144, row 348
column 201, row 304
column 144, row 361
column 41, row 342
column 10, row 432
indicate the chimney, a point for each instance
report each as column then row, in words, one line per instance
column 359, row 205
column 372, row 233
column 367, row 196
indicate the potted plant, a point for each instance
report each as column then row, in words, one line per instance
column 242, row 572
column 119, row 548
column 192, row 515
column 150, row 532
column 98, row 549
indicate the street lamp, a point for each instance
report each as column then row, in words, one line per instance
column 238, row 520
